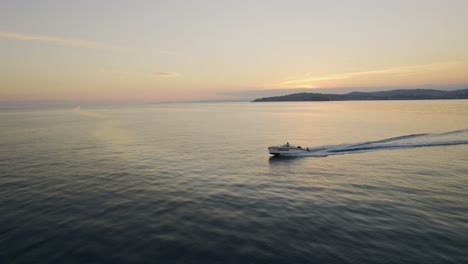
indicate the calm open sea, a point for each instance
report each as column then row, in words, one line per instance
column 193, row 183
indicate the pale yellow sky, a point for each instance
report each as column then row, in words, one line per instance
column 182, row 50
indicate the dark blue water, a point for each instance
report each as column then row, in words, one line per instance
column 193, row 183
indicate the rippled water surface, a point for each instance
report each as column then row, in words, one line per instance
column 193, row 183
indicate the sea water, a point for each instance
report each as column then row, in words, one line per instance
column 193, row 183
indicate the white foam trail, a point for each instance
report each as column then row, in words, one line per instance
column 408, row 141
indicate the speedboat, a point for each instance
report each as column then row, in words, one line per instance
column 287, row 150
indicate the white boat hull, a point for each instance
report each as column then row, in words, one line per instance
column 286, row 151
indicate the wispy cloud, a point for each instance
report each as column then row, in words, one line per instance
column 126, row 73
column 166, row 74
column 60, row 41
column 310, row 81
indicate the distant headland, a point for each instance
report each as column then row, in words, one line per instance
column 402, row 94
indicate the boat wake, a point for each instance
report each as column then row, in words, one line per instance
column 458, row 137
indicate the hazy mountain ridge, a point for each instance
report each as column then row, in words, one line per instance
column 402, row 94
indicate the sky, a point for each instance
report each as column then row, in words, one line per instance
column 157, row 51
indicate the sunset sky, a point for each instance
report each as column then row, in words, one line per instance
column 193, row 50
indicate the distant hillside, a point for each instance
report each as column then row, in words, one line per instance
column 403, row 94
